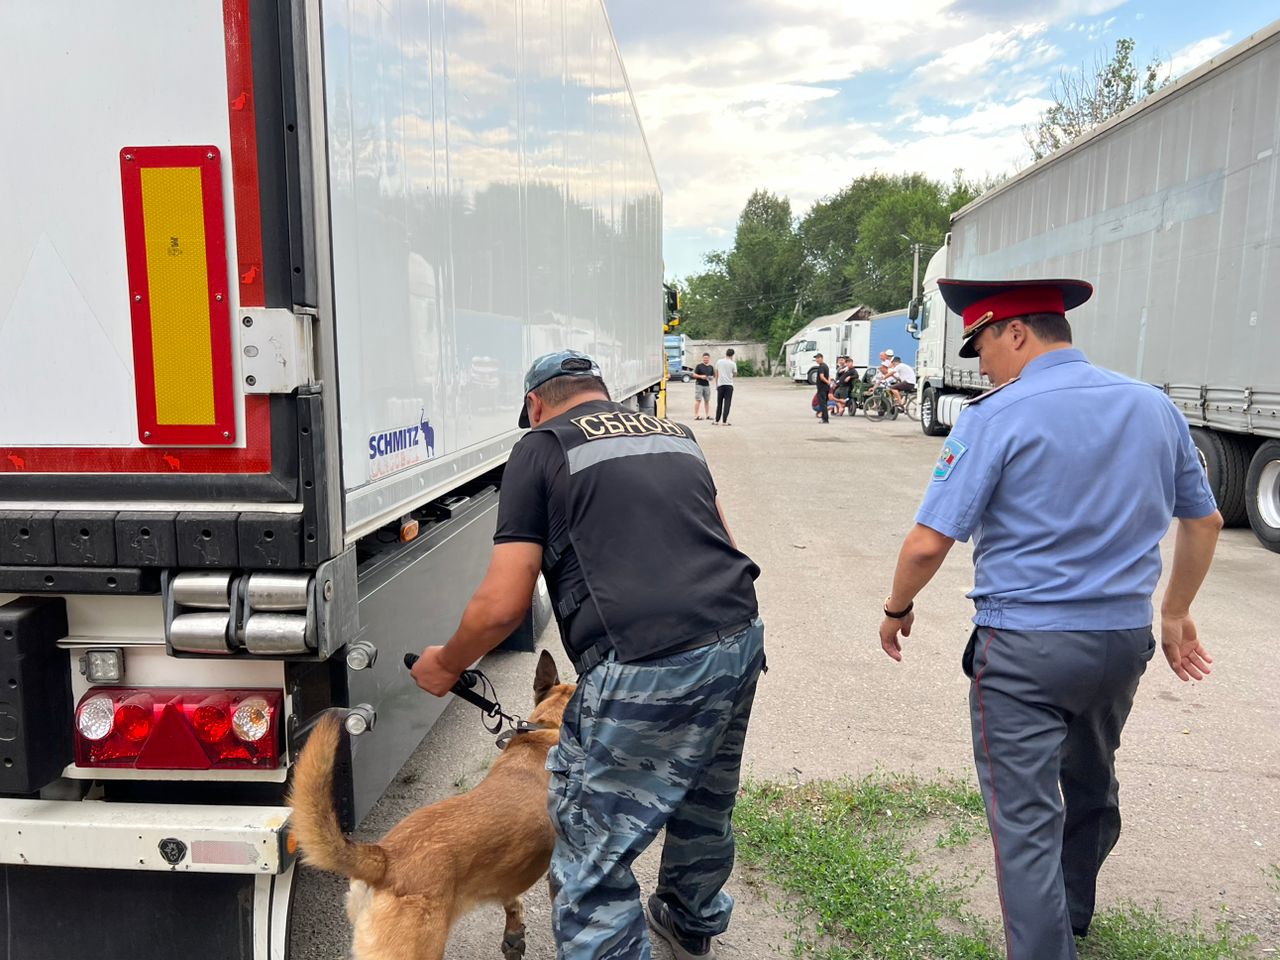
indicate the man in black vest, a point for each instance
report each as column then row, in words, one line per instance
column 657, row 610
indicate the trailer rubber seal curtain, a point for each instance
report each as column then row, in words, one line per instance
column 175, row 248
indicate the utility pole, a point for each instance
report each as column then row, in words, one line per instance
column 915, row 266
column 915, row 271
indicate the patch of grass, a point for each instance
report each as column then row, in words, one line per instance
column 849, row 853
column 842, row 849
column 958, row 835
column 1131, row 932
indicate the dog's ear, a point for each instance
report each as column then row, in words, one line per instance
column 546, row 677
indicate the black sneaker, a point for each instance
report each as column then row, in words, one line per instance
column 684, row 947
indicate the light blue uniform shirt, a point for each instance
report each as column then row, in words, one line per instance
column 1066, row 478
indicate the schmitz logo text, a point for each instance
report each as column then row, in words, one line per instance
column 401, row 447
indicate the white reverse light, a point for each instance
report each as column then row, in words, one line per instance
column 252, row 719
column 96, row 718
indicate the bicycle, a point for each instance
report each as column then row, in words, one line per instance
column 878, row 404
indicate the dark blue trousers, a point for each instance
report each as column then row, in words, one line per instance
column 1047, row 709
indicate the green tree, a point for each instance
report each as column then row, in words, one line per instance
column 707, row 310
column 784, row 326
column 915, row 210
column 1085, row 99
column 849, row 249
column 766, row 267
column 829, row 233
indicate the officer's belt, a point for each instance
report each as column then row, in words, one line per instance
column 598, row 651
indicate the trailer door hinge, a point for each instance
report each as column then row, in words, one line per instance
column 275, row 350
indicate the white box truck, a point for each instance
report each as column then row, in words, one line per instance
column 271, row 273
column 1171, row 210
column 858, row 334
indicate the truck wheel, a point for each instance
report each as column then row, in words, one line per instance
column 685, row 378
column 813, row 378
column 1226, row 460
column 1263, row 499
column 929, row 414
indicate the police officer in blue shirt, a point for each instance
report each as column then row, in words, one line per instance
column 1066, row 476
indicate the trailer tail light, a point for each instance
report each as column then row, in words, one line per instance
column 179, row 729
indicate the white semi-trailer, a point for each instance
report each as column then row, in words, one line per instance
column 270, row 276
column 1172, row 211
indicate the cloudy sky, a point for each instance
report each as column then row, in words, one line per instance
column 801, row 96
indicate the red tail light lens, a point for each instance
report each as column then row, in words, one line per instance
column 179, row 729
column 212, row 719
column 135, row 718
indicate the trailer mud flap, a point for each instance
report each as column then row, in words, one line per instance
column 117, row 914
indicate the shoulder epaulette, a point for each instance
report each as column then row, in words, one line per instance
column 982, row 396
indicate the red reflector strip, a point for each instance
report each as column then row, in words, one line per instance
column 244, row 152
column 254, row 457
column 175, row 248
column 179, row 729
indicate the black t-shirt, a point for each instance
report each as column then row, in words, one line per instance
column 708, row 370
column 823, row 371
column 533, row 509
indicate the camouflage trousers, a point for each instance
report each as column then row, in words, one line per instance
column 643, row 746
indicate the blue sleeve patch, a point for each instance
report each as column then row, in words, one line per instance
column 952, row 451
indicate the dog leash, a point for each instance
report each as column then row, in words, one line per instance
column 492, row 709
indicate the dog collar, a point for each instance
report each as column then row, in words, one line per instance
column 521, row 726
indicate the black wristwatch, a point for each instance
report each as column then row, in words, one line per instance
column 896, row 615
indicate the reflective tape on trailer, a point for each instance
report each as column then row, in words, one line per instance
column 175, row 249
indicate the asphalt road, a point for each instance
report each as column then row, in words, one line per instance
column 823, row 509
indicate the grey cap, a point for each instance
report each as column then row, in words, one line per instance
column 562, row 363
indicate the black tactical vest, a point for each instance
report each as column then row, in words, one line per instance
column 656, row 560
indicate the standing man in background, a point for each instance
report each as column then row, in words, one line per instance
column 1066, row 558
column 702, row 376
column 726, row 371
column 824, row 386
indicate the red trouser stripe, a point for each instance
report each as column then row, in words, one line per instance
column 991, row 774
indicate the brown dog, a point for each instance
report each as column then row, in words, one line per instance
column 490, row 844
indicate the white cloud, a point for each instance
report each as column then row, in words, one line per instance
column 1194, row 54
column 989, row 119
column 984, row 67
column 1096, row 29
column 767, row 96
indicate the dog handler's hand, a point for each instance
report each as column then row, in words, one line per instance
column 889, row 629
column 433, row 673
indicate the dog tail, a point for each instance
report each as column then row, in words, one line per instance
column 314, row 820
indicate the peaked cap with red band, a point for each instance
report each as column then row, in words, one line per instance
column 984, row 302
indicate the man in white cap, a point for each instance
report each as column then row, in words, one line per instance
column 886, row 363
